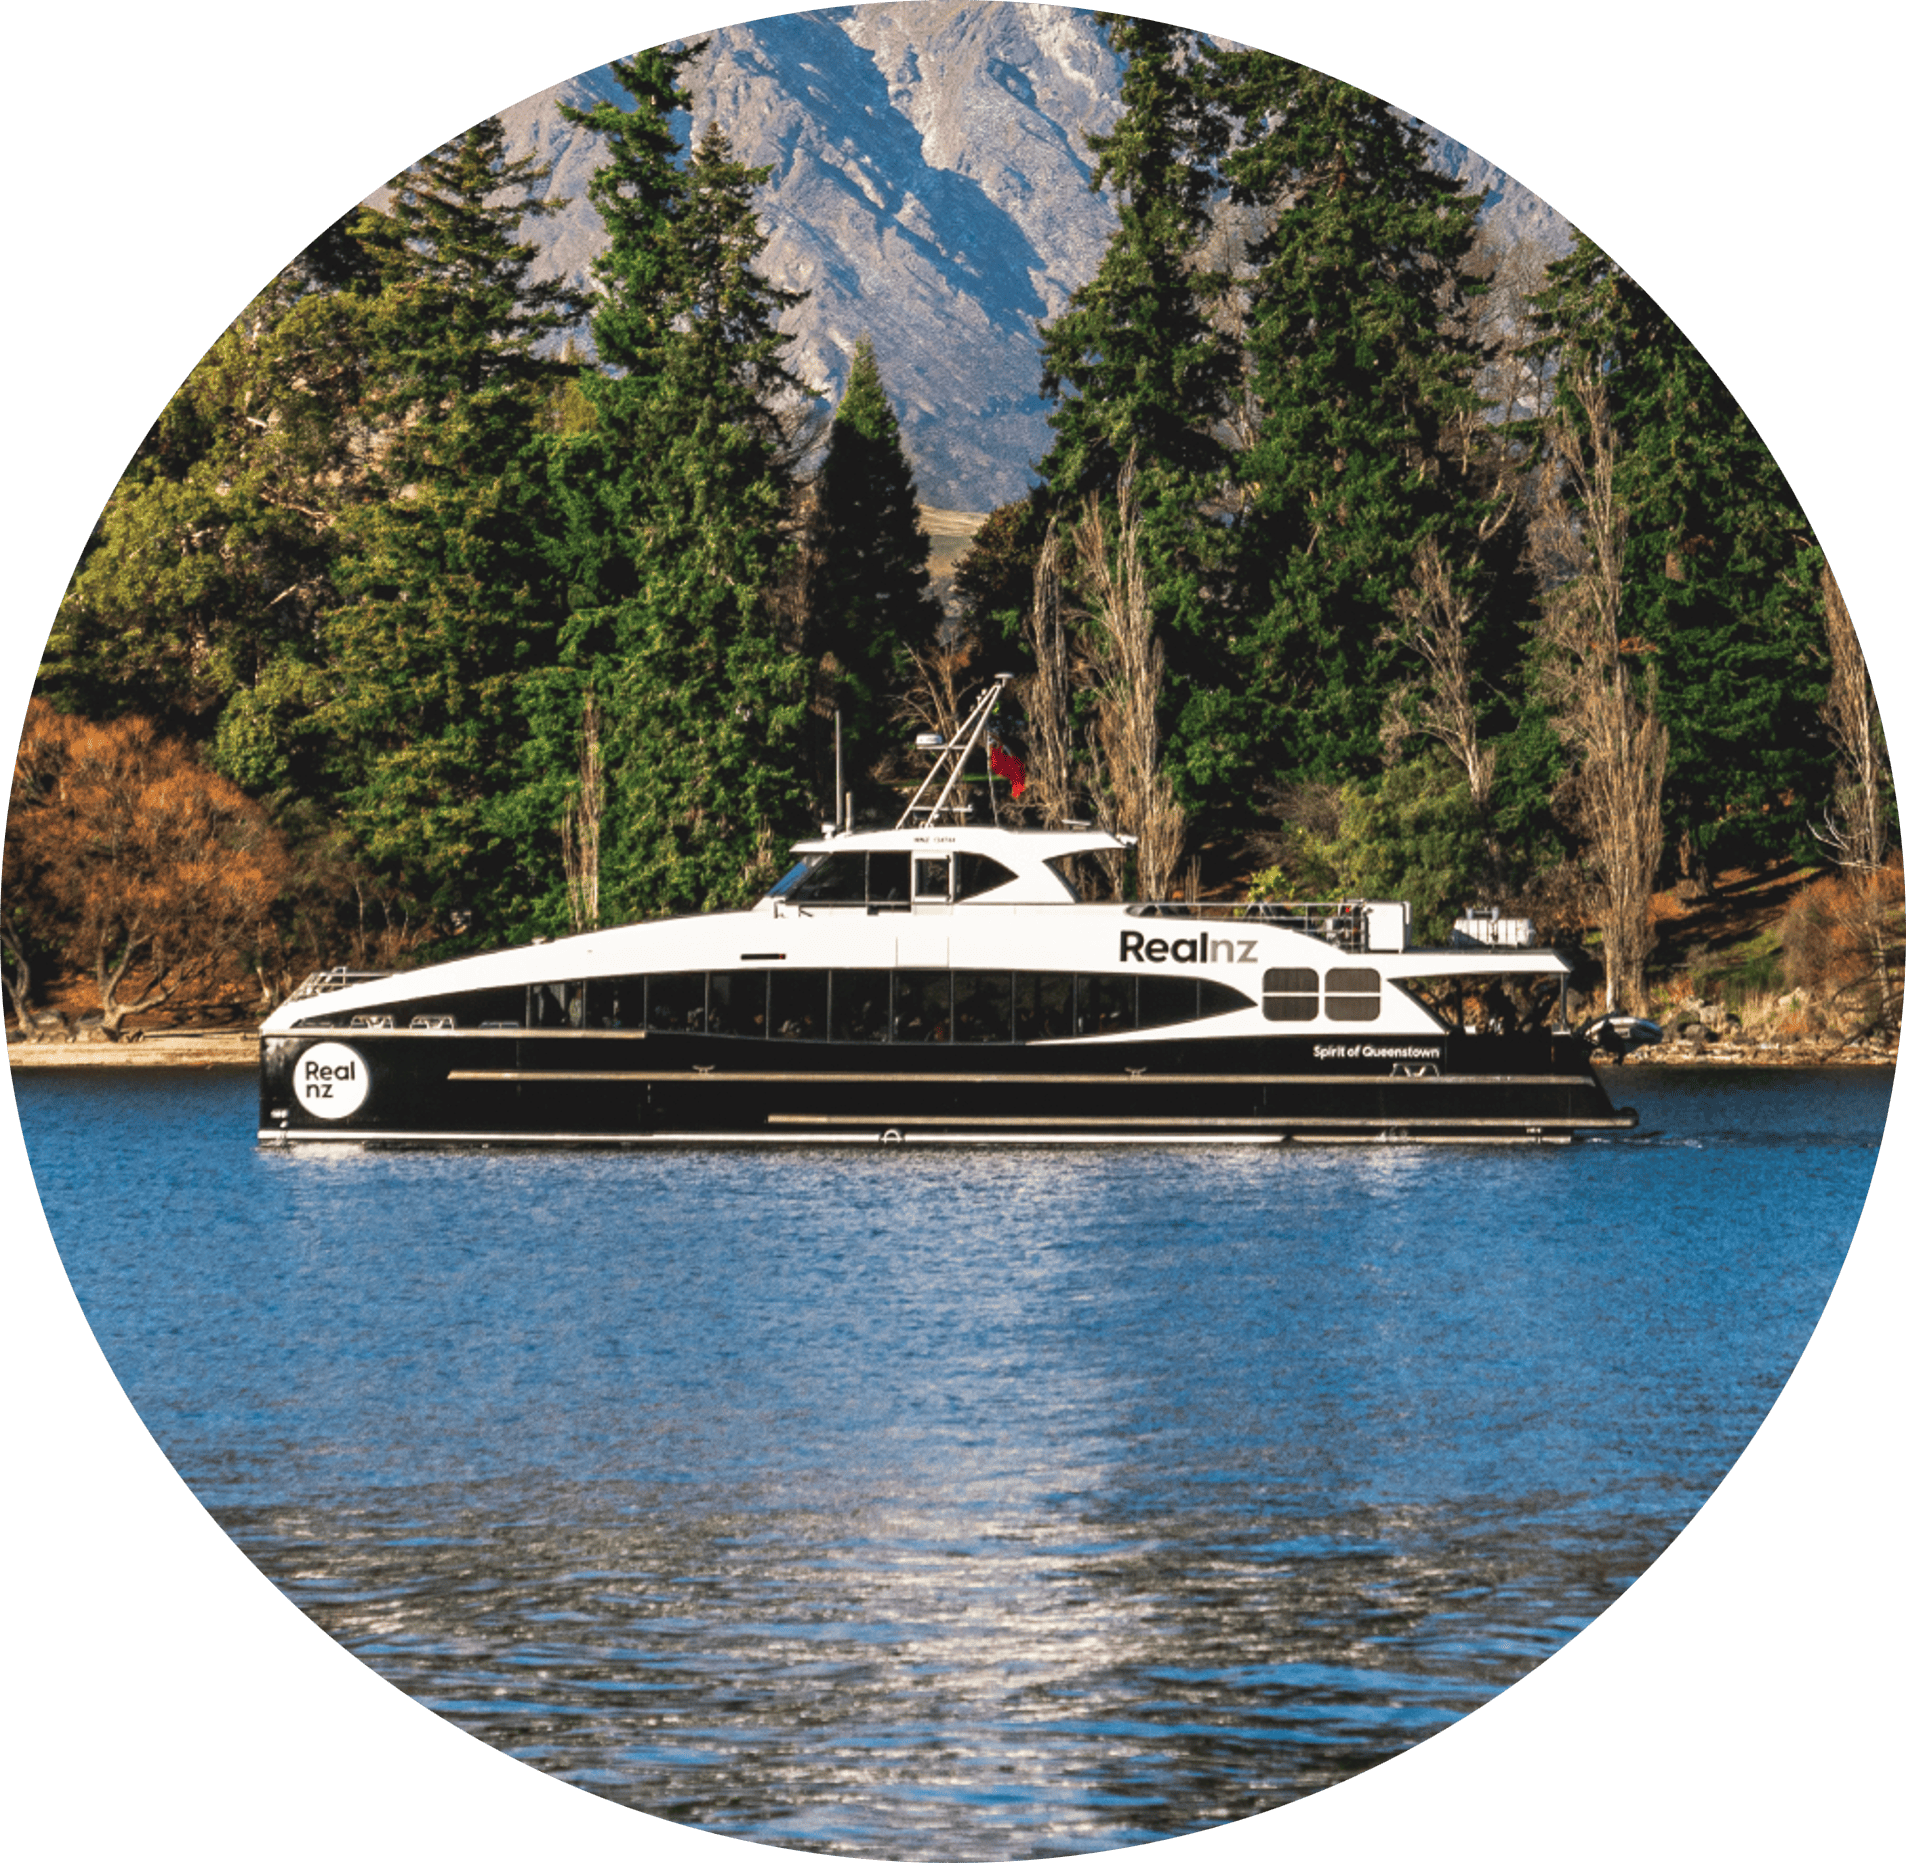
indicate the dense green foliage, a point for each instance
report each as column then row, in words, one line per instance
column 869, row 609
column 521, row 612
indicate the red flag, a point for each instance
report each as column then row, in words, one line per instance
column 1002, row 764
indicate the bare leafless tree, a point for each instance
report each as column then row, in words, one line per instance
column 1856, row 831
column 1603, row 712
column 941, row 691
column 1433, row 617
column 1047, row 695
column 1125, row 663
column 582, row 824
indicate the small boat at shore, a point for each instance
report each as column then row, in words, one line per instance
column 943, row 982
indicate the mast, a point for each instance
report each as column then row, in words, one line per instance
column 953, row 759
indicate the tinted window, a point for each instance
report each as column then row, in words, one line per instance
column 555, row 1005
column 930, row 877
column 1105, row 1005
column 1163, row 1000
column 922, row 1008
column 474, row 1009
column 613, row 1003
column 983, row 1005
column 1290, row 996
column 833, row 879
column 1042, row 1006
column 1219, row 999
column 797, row 1005
column 738, row 1002
column 1353, row 995
column 887, row 878
column 979, row 873
column 676, row 1001
column 862, row 1004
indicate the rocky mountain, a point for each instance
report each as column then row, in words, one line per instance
column 930, row 188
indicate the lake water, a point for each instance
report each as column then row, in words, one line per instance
column 935, row 1505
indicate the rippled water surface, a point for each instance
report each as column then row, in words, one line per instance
column 955, row 1504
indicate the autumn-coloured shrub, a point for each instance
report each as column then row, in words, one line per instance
column 129, row 860
column 1841, row 941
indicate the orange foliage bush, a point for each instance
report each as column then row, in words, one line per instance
column 131, row 861
column 1841, row 941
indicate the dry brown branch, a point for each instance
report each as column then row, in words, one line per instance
column 1855, row 831
column 582, row 825
column 1047, row 694
column 1601, row 711
column 1432, row 621
column 1126, row 665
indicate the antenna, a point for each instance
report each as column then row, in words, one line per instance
column 953, row 759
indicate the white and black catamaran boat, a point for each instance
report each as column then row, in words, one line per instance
column 943, row 982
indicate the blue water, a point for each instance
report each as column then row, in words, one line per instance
column 955, row 1504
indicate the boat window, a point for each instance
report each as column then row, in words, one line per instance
column 555, row 1006
column 887, row 878
column 930, row 877
column 1066, row 869
column 613, row 1003
column 1042, row 1006
column 1219, row 999
column 737, row 1002
column 979, row 873
column 792, row 878
column 922, row 1007
column 983, row 1005
column 1353, row 995
column 797, row 1005
column 1164, row 1000
column 677, row 1002
column 1290, row 996
column 1105, row 1005
column 833, row 880
column 862, row 1004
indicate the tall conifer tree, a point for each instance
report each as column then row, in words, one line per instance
column 706, row 689
column 1722, row 568
column 1359, row 373
column 867, row 595
column 1141, row 371
column 446, row 583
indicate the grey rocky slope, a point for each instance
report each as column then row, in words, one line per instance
column 930, row 188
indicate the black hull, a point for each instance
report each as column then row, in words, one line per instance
column 483, row 1086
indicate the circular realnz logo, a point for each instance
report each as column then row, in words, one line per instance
column 331, row 1080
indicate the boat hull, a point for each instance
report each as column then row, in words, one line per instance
column 482, row 1086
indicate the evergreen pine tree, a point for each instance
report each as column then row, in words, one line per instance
column 446, row 581
column 1722, row 571
column 1133, row 361
column 1142, row 371
column 638, row 190
column 1359, row 378
column 867, row 600
column 705, row 688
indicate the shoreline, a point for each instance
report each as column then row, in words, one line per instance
column 170, row 1048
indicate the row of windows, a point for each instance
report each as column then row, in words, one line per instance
column 832, row 1005
column 893, row 878
column 1349, row 995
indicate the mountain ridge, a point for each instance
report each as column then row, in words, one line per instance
column 930, row 188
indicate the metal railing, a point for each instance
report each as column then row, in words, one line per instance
column 1343, row 924
column 323, row 982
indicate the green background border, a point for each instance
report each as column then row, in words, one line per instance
column 166, row 159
